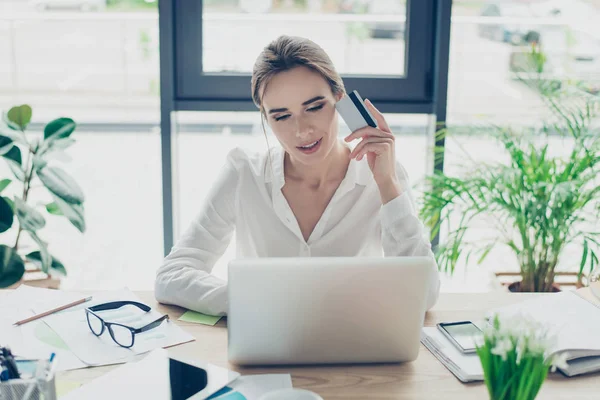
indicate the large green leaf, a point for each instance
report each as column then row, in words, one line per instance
column 59, row 128
column 45, row 257
column 12, row 266
column 61, row 184
column 4, row 183
column 73, row 212
column 6, row 215
column 14, row 154
column 20, row 115
column 36, row 258
column 30, row 219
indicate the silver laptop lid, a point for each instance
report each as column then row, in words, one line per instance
column 326, row 310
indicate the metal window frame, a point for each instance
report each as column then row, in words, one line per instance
column 423, row 89
column 208, row 90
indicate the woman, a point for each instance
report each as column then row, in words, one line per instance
column 314, row 196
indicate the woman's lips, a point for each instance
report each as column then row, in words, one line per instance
column 311, row 148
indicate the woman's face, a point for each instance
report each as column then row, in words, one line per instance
column 300, row 110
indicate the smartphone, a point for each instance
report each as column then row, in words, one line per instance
column 354, row 112
column 463, row 334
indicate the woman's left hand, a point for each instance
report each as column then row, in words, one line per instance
column 378, row 145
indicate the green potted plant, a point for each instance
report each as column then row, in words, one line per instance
column 537, row 203
column 30, row 159
column 515, row 358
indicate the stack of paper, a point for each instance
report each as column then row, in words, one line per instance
column 466, row 367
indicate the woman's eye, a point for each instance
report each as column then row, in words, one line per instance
column 282, row 118
column 317, row 108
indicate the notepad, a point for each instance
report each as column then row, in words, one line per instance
column 466, row 367
column 199, row 318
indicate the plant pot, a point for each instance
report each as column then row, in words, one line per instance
column 515, row 287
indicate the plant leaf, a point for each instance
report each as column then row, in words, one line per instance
column 14, row 154
column 4, row 183
column 6, row 143
column 20, row 116
column 73, row 212
column 59, row 128
column 30, row 219
column 6, row 215
column 36, row 258
column 51, row 147
column 53, row 209
column 14, row 159
column 61, row 184
column 45, row 257
column 12, row 266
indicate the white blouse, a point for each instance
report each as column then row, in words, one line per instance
column 247, row 199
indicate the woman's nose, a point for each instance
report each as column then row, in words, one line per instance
column 303, row 128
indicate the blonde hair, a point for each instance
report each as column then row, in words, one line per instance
column 288, row 52
column 284, row 54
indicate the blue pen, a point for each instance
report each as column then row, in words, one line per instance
column 52, row 356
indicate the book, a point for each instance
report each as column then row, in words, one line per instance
column 573, row 318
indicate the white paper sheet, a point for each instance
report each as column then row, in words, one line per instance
column 35, row 339
column 73, row 328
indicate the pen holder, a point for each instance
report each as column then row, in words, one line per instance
column 40, row 387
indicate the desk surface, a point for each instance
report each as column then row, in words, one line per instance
column 424, row 378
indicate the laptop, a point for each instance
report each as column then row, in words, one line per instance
column 314, row 310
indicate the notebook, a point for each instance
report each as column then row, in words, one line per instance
column 466, row 367
column 573, row 317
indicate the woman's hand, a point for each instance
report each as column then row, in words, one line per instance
column 378, row 145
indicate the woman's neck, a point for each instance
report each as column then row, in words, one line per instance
column 332, row 168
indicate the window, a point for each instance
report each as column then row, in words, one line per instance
column 382, row 48
column 95, row 61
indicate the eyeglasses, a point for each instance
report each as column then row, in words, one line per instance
column 123, row 335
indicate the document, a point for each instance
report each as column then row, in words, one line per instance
column 35, row 339
column 72, row 327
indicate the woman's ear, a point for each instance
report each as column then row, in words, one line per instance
column 339, row 96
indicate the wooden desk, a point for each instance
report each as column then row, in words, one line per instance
column 425, row 378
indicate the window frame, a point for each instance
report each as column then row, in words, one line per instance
column 197, row 90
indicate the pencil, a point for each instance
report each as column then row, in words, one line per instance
column 52, row 311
